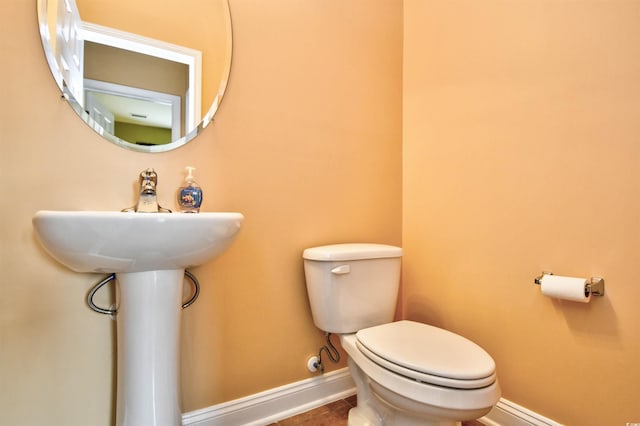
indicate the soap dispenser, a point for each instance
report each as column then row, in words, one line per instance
column 190, row 194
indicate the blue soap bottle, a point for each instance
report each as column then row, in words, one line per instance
column 190, row 194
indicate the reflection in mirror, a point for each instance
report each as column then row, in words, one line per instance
column 146, row 77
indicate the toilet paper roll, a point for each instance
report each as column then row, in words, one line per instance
column 566, row 288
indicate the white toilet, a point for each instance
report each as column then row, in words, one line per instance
column 406, row 373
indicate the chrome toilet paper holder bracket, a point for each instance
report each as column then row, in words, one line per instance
column 595, row 285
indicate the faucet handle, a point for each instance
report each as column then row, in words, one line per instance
column 148, row 181
column 149, row 174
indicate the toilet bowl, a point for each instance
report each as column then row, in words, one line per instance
column 419, row 373
column 406, row 373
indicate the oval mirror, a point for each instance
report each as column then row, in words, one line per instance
column 147, row 76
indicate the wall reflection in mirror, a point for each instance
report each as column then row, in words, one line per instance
column 145, row 75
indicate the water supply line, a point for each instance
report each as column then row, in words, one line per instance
column 331, row 352
column 112, row 311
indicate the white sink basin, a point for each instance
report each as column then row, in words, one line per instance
column 108, row 242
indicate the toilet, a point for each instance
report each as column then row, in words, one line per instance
column 406, row 373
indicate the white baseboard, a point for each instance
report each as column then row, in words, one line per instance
column 276, row 404
column 507, row 413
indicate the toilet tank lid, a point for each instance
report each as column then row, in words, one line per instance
column 352, row 251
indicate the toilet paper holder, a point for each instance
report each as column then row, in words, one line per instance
column 595, row 285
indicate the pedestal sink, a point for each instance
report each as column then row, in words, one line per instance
column 148, row 252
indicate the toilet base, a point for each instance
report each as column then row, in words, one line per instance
column 401, row 411
column 357, row 418
column 378, row 406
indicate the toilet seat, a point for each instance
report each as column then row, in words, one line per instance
column 427, row 354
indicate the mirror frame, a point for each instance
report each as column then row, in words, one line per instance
column 54, row 67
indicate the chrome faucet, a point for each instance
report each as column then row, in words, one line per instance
column 147, row 198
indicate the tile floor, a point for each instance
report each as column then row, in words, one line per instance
column 333, row 414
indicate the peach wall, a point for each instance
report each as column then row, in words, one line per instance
column 307, row 144
column 521, row 147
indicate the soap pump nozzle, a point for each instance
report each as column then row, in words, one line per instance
column 190, row 177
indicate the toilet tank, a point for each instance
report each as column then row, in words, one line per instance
column 352, row 286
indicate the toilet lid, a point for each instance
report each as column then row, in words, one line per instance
column 428, row 354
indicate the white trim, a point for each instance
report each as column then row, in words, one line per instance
column 276, row 404
column 507, row 413
column 160, row 49
column 280, row 403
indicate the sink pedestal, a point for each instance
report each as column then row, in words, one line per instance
column 148, row 335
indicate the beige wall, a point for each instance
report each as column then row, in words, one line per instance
column 521, row 149
column 307, row 144
column 113, row 65
column 520, row 155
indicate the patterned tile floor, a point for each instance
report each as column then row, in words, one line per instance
column 333, row 414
